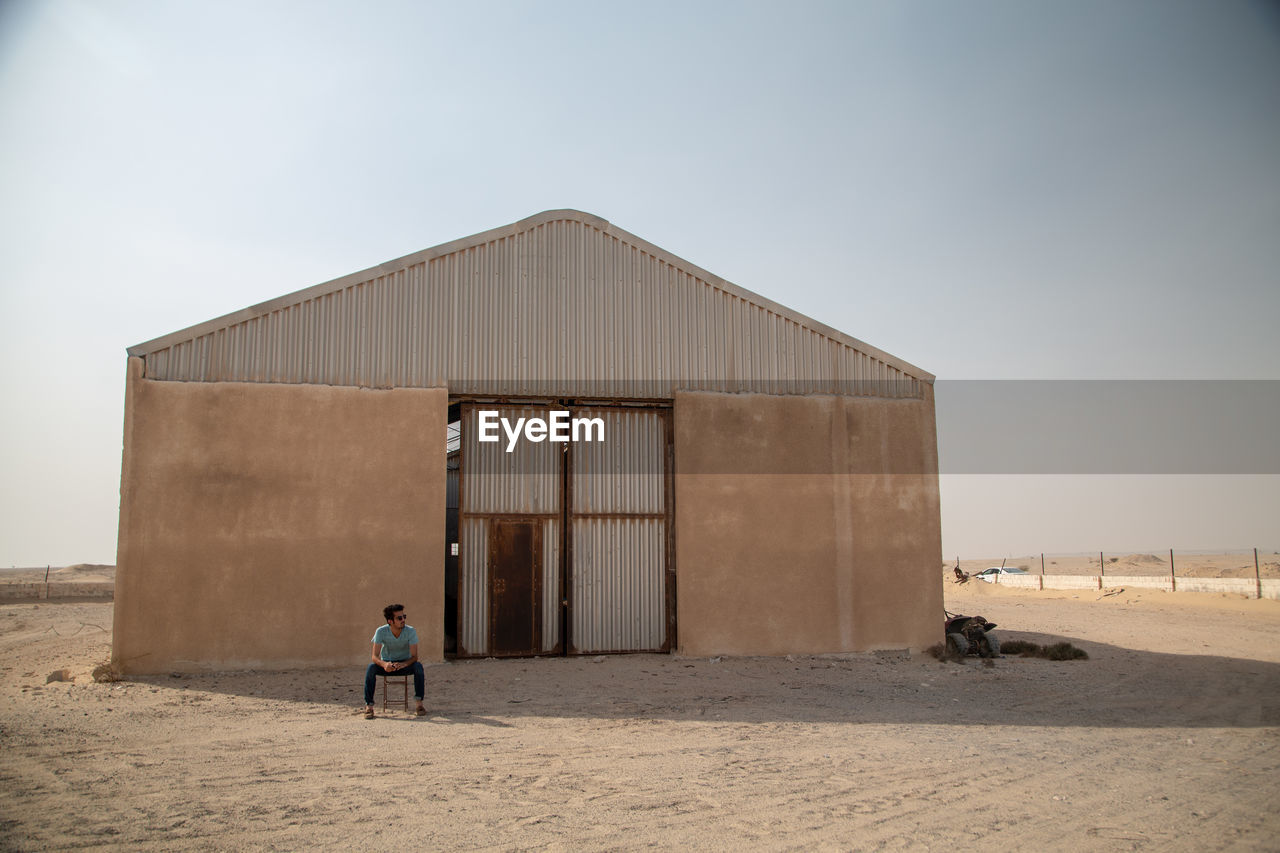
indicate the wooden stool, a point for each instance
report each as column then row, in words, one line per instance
column 404, row 682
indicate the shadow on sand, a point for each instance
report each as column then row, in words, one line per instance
column 1116, row 687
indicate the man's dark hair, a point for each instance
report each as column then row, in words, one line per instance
column 391, row 610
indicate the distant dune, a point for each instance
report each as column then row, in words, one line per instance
column 80, row 572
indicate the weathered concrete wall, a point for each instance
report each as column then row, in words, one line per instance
column 265, row 526
column 806, row 524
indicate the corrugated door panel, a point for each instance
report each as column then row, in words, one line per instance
column 624, row 473
column 525, row 481
column 551, row 595
column 473, row 589
column 618, row 593
column 618, row 571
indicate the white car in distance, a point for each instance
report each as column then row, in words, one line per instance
column 992, row 575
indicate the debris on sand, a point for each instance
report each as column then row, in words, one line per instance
column 104, row 673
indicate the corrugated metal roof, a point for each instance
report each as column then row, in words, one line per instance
column 561, row 304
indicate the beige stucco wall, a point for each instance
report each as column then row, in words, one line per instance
column 264, row 526
column 806, row 524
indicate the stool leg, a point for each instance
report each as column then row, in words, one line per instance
column 404, row 683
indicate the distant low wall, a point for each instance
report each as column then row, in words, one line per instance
column 1247, row 587
column 41, row 591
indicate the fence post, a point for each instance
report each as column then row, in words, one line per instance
column 1102, row 569
column 1042, row 571
column 1173, row 578
column 1257, row 576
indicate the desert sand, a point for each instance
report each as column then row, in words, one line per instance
column 1167, row 738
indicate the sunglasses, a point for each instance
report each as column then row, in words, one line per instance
column 401, row 618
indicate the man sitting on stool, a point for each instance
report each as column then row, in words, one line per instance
column 395, row 652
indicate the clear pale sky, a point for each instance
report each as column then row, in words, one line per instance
column 989, row 190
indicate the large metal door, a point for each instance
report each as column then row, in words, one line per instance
column 501, row 491
column 619, row 586
column 566, row 539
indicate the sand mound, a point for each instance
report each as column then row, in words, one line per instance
column 84, row 573
column 1143, row 560
column 87, row 569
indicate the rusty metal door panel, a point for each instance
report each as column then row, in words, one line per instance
column 473, row 586
column 618, row 585
column 515, row 587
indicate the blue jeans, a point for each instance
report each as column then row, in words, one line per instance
column 371, row 680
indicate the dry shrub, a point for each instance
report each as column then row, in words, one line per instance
column 104, row 674
column 944, row 654
column 1065, row 651
column 1057, row 651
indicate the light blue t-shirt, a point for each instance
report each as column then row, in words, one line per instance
column 393, row 647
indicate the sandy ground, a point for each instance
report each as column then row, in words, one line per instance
column 1168, row 738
